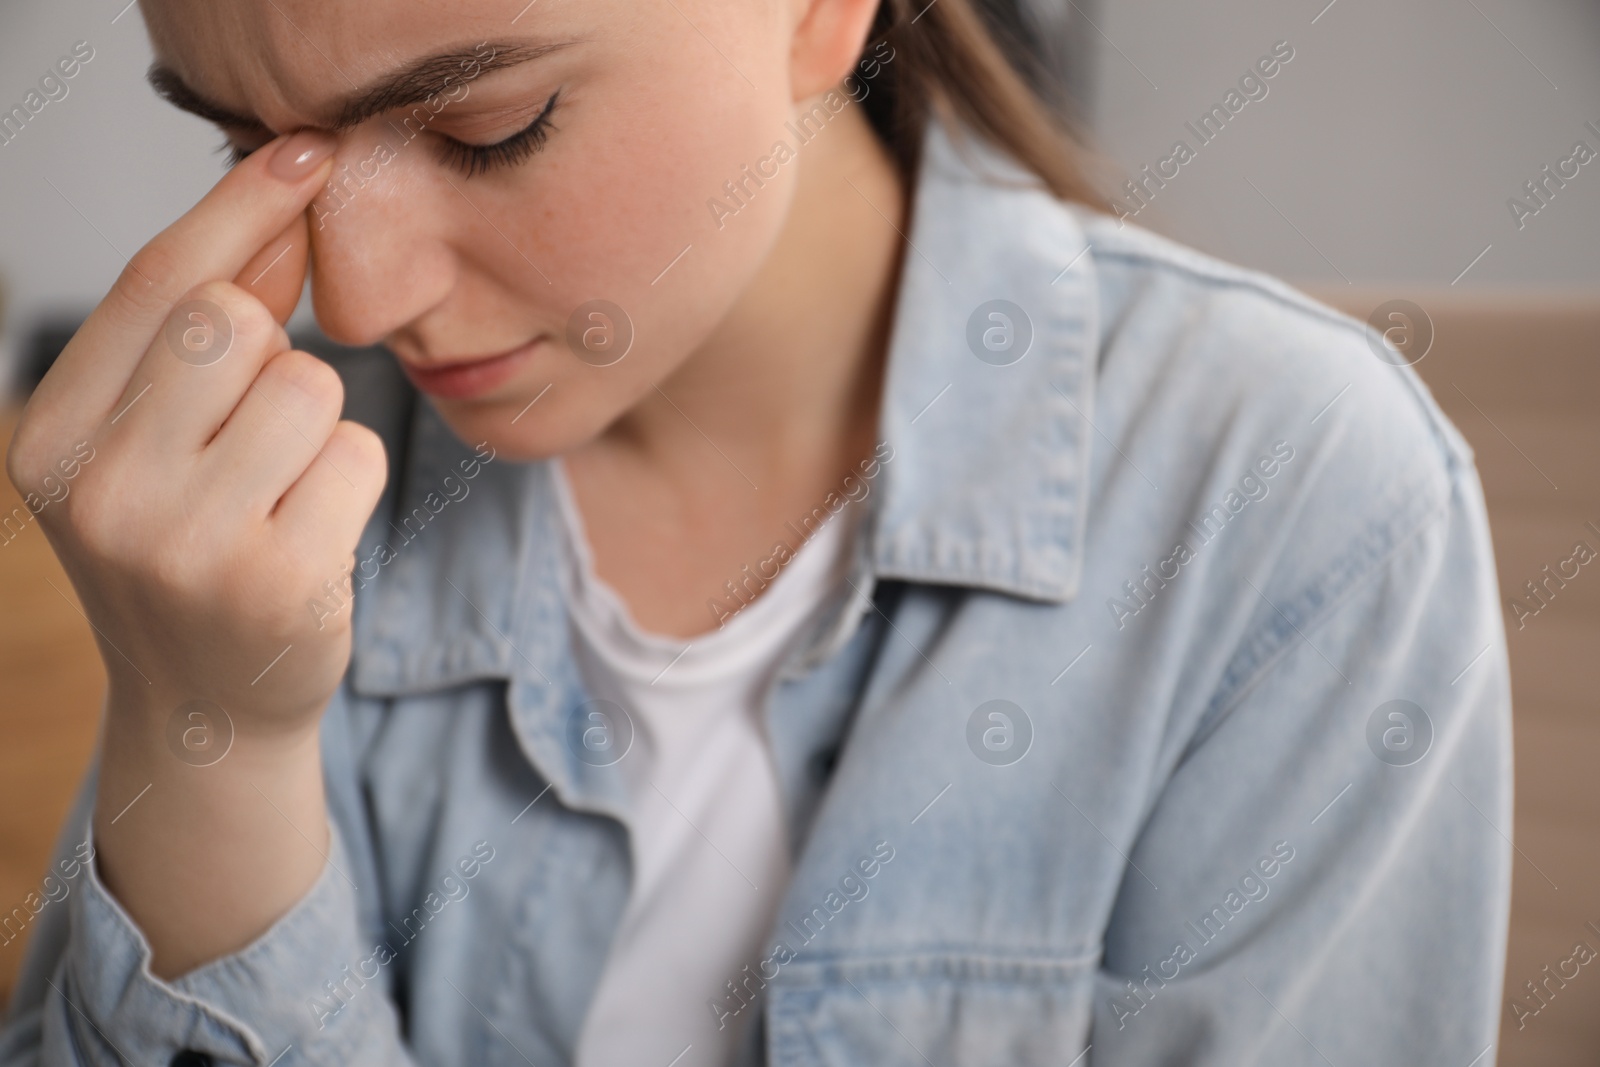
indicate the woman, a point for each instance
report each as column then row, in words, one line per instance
column 843, row 599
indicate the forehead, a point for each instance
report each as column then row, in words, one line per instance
column 285, row 60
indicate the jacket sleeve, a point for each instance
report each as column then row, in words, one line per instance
column 1330, row 857
column 87, row 997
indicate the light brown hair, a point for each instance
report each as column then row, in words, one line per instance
column 949, row 62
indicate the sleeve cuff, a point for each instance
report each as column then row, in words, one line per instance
column 307, row 984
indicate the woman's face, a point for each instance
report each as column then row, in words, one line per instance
column 447, row 255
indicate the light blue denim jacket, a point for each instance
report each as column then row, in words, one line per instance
column 1165, row 716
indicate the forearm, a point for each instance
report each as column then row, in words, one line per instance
column 86, row 996
column 205, row 858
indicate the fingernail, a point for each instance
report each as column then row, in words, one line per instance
column 300, row 155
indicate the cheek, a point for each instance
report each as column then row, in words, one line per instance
column 617, row 209
column 622, row 208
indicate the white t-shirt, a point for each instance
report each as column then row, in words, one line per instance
column 706, row 827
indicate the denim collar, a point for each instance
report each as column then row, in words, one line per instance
column 986, row 488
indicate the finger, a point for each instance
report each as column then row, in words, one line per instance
column 254, row 202
column 212, row 347
column 322, row 515
column 278, row 430
column 276, row 275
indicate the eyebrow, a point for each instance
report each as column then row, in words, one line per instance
column 414, row 83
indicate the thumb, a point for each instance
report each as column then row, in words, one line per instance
column 276, row 275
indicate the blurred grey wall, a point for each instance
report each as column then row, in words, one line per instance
column 95, row 174
column 1384, row 151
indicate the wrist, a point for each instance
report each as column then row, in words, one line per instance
column 205, row 857
column 201, row 731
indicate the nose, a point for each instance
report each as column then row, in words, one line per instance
column 379, row 258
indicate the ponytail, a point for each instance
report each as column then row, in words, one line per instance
column 949, row 63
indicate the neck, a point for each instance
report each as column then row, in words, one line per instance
column 791, row 378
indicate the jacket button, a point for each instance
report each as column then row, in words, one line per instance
column 190, row 1058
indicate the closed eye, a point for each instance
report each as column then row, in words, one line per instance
column 235, row 154
column 478, row 159
column 469, row 158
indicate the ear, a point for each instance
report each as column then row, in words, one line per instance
column 828, row 39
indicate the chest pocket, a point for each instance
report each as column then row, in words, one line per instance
column 918, row 1010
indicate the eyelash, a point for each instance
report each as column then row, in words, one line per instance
column 235, row 154
column 479, row 159
column 468, row 158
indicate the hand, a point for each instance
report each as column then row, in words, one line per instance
column 222, row 490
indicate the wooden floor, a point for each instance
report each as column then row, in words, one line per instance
column 51, row 683
column 1519, row 375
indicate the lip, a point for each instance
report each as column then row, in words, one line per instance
column 469, row 378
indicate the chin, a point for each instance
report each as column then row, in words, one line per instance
column 539, row 433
